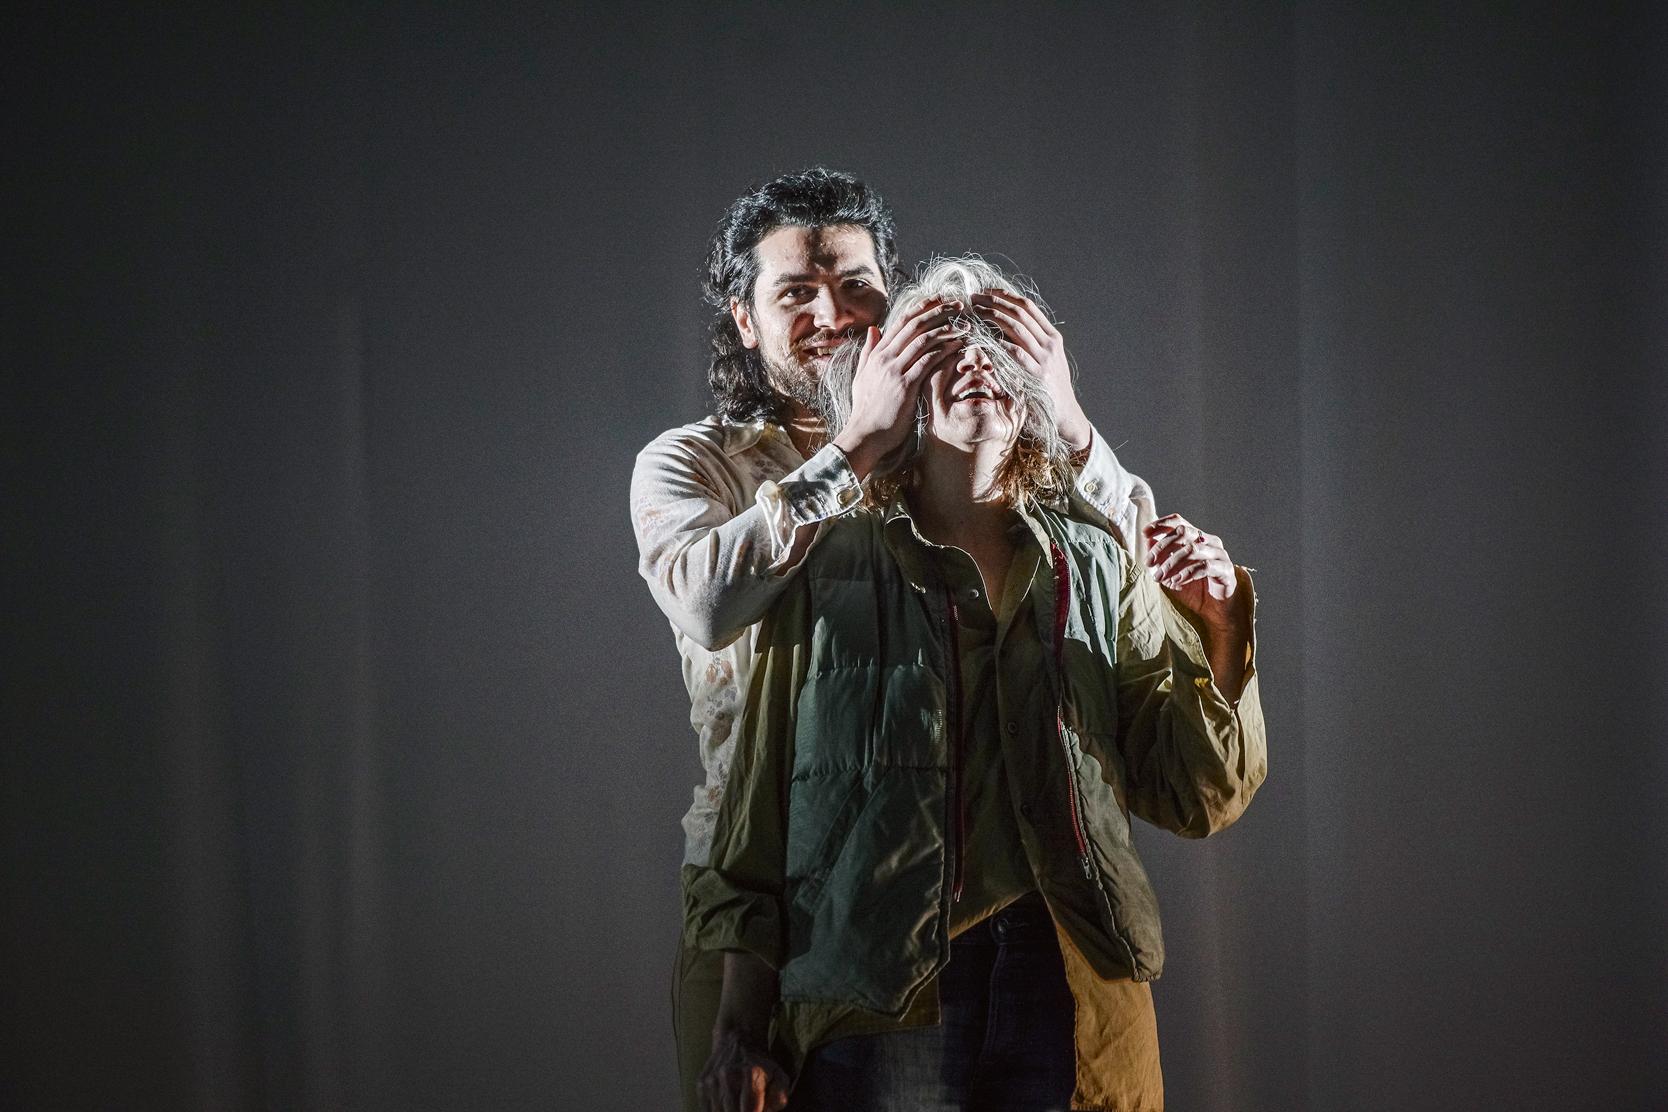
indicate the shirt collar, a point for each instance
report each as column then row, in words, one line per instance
column 739, row 435
column 911, row 549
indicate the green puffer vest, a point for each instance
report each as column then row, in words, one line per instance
column 872, row 846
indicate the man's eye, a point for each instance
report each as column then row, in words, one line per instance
column 796, row 293
column 856, row 284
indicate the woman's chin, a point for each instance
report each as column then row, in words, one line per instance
column 971, row 435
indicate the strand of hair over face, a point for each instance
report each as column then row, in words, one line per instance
column 1038, row 467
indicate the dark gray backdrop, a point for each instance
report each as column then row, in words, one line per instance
column 344, row 750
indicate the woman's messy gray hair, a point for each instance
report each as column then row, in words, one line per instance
column 1038, row 468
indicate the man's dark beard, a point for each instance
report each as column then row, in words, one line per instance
column 797, row 385
column 802, row 389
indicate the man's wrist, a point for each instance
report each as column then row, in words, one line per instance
column 741, row 1030
column 858, row 454
column 1076, row 431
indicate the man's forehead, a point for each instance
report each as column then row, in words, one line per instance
column 835, row 247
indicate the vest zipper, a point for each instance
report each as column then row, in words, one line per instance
column 956, row 739
column 1062, row 607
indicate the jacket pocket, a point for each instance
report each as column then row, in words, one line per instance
column 822, row 809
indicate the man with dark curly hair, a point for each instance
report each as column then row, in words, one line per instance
column 725, row 509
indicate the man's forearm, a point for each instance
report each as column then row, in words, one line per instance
column 1114, row 497
column 713, row 568
column 747, row 999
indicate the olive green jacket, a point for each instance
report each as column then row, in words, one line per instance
column 836, row 849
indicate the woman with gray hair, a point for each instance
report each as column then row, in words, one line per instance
column 1039, row 465
column 923, row 879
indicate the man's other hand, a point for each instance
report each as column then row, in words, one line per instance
column 1195, row 571
column 741, row 1078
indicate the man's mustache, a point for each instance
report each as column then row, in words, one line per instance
column 829, row 339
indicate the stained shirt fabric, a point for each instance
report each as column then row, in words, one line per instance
column 716, row 506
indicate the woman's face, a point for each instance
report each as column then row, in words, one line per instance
column 966, row 406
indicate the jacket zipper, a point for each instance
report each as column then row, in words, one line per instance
column 1062, row 607
column 957, row 757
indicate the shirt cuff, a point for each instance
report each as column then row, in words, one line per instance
column 822, row 487
column 1122, row 498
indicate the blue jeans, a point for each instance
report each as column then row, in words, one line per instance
column 1005, row 1041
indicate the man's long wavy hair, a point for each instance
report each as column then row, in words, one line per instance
column 1037, row 469
column 814, row 198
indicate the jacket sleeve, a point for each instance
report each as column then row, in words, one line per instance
column 1192, row 759
column 1113, row 497
column 735, row 902
column 715, row 565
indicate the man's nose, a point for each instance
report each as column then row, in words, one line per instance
column 830, row 310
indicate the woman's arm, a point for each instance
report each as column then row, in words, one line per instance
column 1190, row 723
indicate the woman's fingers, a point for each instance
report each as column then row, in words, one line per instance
column 1169, row 529
column 741, row 1079
column 1165, row 545
column 1217, row 576
column 1172, row 543
column 1163, row 570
